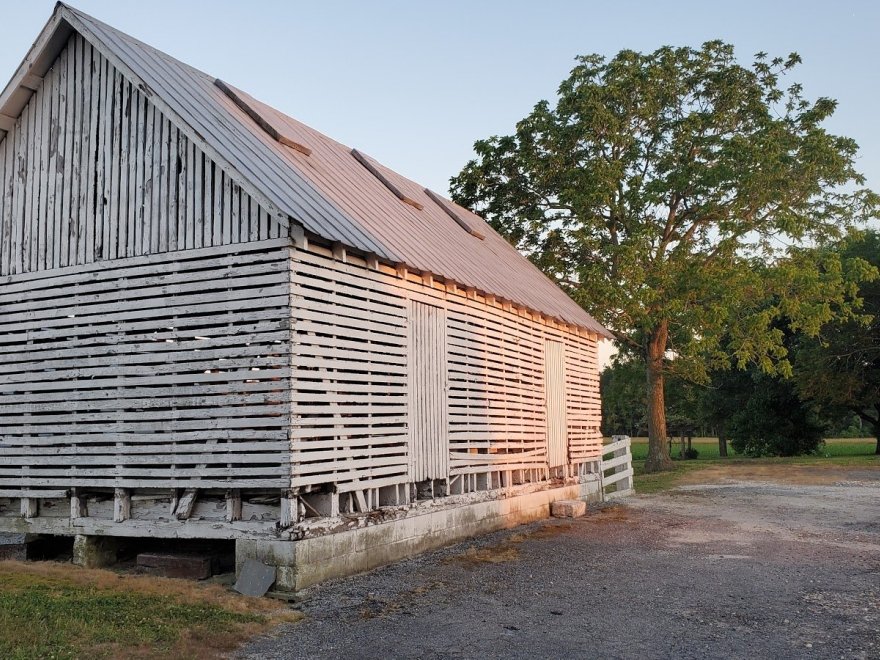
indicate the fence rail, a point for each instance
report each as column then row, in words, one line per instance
column 617, row 471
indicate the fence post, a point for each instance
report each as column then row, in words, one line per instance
column 621, row 472
column 626, row 483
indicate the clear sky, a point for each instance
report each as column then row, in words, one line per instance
column 415, row 83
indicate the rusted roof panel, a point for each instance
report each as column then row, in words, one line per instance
column 320, row 184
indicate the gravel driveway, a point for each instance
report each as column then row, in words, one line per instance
column 767, row 568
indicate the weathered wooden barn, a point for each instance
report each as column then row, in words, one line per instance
column 216, row 322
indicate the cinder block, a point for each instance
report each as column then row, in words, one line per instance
column 568, row 508
column 306, row 562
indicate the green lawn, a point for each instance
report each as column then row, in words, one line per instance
column 835, row 452
column 708, row 448
column 52, row 610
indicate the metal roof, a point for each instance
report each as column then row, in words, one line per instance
column 323, row 186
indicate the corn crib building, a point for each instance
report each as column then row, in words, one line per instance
column 218, row 323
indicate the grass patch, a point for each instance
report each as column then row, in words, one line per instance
column 507, row 550
column 654, row 482
column 50, row 610
column 708, row 448
column 841, row 455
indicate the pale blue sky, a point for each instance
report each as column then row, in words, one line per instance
column 415, row 83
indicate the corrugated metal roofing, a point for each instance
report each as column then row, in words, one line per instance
column 329, row 192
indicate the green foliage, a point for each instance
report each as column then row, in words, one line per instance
column 668, row 191
column 623, row 398
column 660, row 182
column 841, row 366
column 707, row 449
column 625, row 408
column 770, row 419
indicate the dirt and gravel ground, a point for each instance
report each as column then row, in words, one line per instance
column 776, row 564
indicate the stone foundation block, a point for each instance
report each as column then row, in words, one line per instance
column 568, row 509
column 306, row 562
column 94, row 551
column 15, row 546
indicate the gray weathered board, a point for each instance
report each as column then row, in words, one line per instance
column 92, row 171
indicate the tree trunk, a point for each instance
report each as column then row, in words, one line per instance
column 658, row 451
column 877, row 449
column 722, row 445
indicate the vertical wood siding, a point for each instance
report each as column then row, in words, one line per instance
column 148, row 372
column 557, row 422
column 92, row 171
column 428, row 403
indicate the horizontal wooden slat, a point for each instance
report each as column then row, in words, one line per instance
column 166, row 373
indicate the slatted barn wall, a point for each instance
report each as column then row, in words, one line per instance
column 496, row 390
column 350, row 338
column 349, row 379
column 583, row 403
column 157, row 371
column 92, row 171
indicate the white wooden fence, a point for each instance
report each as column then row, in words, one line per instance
column 617, row 468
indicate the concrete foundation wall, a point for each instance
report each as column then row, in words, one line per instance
column 307, row 562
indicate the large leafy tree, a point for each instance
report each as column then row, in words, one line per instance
column 655, row 189
column 841, row 367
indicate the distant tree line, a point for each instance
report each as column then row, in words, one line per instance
column 832, row 391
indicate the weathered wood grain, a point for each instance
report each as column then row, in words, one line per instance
column 153, row 371
column 98, row 173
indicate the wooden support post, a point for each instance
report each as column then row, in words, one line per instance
column 175, row 498
column 298, row 235
column 121, row 505
column 233, row 505
column 78, row 506
column 290, row 509
column 361, row 501
column 30, row 507
column 186, row 504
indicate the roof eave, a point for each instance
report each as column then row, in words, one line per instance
column 39, row 59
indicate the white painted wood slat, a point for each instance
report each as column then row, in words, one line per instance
column 427, row 388
column 557, row 423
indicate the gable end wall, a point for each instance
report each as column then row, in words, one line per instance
column 92, row 171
